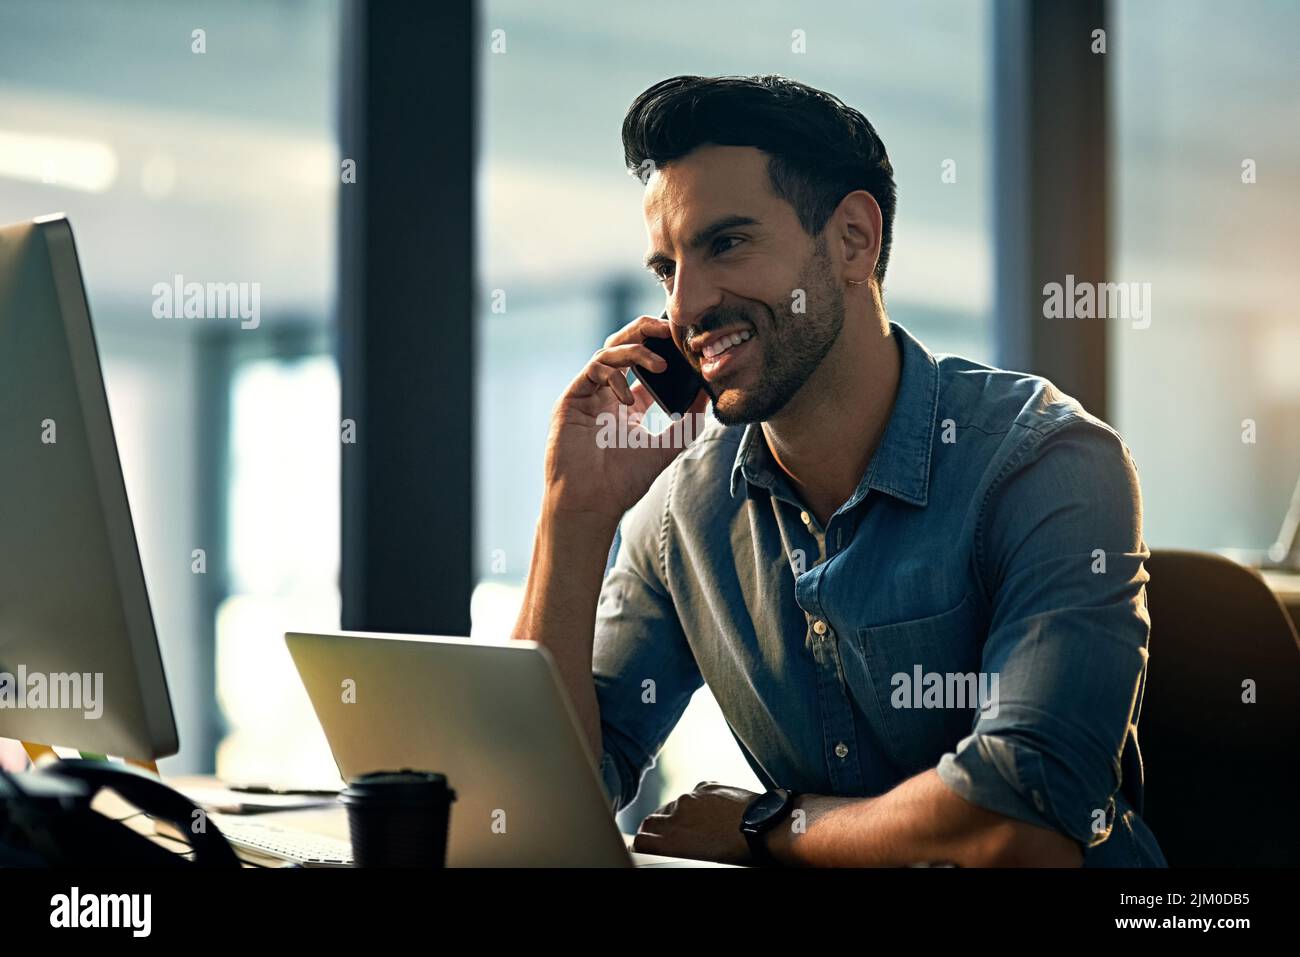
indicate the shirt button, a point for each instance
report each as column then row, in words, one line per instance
column 841, row 750
column 805, row 518
column 819, row 626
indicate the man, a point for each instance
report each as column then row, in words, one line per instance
column 913, row 584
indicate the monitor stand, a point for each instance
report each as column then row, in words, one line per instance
column 36, row 752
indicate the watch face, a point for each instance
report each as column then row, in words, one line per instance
column 766, row 806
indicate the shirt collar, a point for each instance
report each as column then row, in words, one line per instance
column 901, row 464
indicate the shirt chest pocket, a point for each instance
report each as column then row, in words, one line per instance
column 918, row 682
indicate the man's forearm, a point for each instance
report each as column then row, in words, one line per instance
column 559, row 608
column 920, row 821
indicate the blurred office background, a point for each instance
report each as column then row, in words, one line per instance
column 224, row 166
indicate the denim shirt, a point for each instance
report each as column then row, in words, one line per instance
column 996, row 537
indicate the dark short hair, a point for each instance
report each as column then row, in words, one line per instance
column 819, row 149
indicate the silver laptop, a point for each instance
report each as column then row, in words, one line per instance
column 494, row 718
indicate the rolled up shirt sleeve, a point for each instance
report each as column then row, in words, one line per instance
column 644, row 670
column 1061, row 554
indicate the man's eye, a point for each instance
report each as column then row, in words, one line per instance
column 731, row 241
column 662, row 273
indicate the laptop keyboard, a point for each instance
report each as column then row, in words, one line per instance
column 296, row 846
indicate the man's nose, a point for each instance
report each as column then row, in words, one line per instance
column 690, row 300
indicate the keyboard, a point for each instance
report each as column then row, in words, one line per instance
column 259, row 838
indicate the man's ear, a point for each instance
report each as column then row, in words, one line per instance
column 857, row 238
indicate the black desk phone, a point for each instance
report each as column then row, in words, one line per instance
column 46, row 820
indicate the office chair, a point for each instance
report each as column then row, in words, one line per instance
column 1220, row 773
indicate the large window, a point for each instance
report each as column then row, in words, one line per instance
column 1206, row 201
column 562, row 234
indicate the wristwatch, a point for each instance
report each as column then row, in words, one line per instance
column 764, row 813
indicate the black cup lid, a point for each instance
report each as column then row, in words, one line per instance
column 405, row 786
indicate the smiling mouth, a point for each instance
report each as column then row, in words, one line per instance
column 723, row 344
column 721, row 352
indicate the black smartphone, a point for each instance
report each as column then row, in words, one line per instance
column 674, row 389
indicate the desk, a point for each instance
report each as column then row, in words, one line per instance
column 326, row 821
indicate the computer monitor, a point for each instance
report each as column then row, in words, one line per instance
column 79, row 659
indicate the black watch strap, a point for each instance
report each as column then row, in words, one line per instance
column 763, row 814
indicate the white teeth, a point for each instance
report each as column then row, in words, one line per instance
column 721, row 345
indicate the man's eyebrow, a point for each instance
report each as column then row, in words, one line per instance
column 704, row 236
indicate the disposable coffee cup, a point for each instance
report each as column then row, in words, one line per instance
column 399, row 818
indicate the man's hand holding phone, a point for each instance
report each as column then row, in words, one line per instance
column 602, row 483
